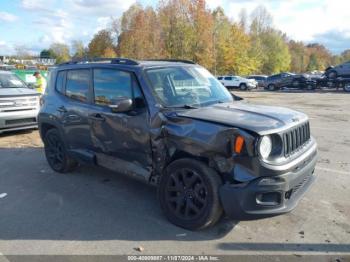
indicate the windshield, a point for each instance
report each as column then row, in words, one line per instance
column 9, row 80
column 187, row 86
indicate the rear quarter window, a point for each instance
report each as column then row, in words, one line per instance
column 60, row 81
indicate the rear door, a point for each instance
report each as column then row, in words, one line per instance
column 73, row 107
column 121, row 140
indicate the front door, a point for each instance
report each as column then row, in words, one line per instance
column 228, row 81
column 121, row 140
column 235, row 81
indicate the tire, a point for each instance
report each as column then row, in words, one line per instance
column 271, row 87
column 309, row 87
column 332, row 74
column 56, row 153
column 189, row 194
column 243, row 87
column 346, row 87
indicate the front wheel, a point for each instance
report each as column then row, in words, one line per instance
column 271, row 87
column 189, row 194
column 56, row 153
column 243, row 87
column 346, row 87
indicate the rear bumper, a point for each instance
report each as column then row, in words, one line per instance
column 268, row 196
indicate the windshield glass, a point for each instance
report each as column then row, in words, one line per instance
column 187, row 86
column 8, row 80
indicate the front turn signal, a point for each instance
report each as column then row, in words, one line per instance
column 239, row 142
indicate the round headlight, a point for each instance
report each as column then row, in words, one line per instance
column 265, row 146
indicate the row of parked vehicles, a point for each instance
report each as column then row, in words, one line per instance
column 334, row 77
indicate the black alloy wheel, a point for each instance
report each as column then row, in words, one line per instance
column 188, row 194
column 56, row 154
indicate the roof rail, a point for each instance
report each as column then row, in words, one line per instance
column 173, row 60
column 123, row 61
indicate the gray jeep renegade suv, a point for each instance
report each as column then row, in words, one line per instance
column 170, row 123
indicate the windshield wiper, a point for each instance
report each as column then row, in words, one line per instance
column 183, row 106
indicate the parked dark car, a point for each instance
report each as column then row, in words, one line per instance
column 342, row 70
column 337, row 83
column 261, row 79
column 289, row 80
column 173, row 125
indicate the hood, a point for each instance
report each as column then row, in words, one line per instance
column 10, row 92
column 257, row 118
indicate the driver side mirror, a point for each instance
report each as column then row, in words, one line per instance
column 121, row 105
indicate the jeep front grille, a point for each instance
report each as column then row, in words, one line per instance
column 295, row 138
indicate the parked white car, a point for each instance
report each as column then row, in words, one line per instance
column 238, row 81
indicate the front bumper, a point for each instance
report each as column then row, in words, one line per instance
column 269, row 195
column 252, row 85
column 18, row 120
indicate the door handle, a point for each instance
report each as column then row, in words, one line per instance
column 97, row 117
column 62, row 109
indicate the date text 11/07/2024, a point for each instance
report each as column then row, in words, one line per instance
column 173, row 258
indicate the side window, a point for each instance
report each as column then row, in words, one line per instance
column 60, row 82
column 220, row 78
column 111, row 84
column 77, row 86
column 228, row 78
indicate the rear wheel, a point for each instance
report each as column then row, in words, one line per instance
column 189, row 194
column 56, row 153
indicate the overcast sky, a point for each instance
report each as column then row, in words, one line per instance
column 38, row 23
